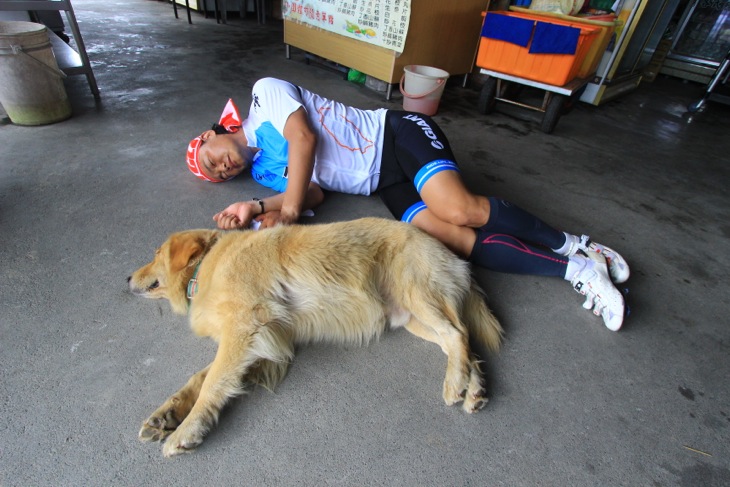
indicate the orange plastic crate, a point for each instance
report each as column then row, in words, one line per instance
column 606, row 23
column 553, row 69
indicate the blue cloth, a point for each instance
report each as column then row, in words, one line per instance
column 412, row 211
column 554, row 39
column 425, row 173
column 509, row 29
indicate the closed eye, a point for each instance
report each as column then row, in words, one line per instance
column 211, row 165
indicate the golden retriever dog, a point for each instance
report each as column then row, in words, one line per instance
column 261, row 293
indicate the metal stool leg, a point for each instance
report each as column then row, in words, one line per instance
column 187, row 6
column 722, row 71
column 217, row 13
column 261, row 11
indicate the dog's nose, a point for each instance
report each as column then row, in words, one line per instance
column 129, row 279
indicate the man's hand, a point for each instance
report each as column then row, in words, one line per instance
column 269, row 219
column 274, row 218
column 288, row 216
column 237, row 215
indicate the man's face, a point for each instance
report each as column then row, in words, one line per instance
column 221, row 157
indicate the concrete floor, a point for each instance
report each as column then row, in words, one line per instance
column 86, row 201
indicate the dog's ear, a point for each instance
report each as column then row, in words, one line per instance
column 186, row 247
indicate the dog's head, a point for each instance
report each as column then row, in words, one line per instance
column 168, row 274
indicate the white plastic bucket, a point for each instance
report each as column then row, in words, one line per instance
column 31, row 85
column 422, row 87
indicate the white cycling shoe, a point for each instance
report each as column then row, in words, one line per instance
column 618, row 268
column 593, row 281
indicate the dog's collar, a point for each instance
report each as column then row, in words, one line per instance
column 193, row 282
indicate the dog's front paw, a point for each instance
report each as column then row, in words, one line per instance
column 181, row 442
column 162, row 422
column 155, row 429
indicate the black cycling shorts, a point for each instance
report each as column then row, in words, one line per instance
column 414, row 149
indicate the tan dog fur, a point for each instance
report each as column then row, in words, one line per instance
column 261, row 293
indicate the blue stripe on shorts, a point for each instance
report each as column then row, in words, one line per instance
column 425, row 173
column 411, row 212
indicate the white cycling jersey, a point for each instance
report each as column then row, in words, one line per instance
column 349, row 140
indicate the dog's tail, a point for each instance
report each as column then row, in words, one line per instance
column 482, row 324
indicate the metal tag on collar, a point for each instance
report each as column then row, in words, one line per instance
column 192, row 287
column 193, row 283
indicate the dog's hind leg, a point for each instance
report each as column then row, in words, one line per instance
column 173, row 411
column 463, row 376
column 476, row 395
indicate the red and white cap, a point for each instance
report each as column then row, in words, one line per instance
column 231, row 121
